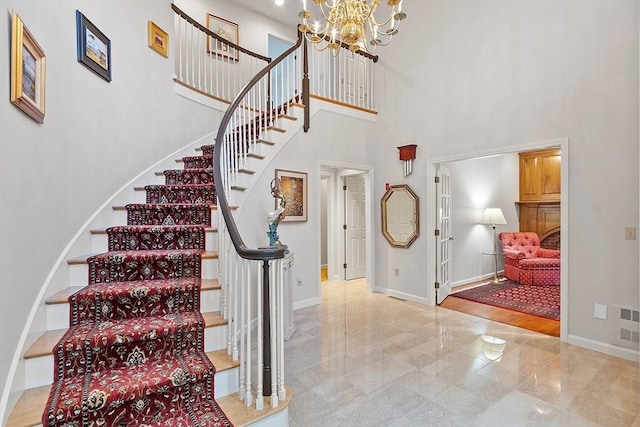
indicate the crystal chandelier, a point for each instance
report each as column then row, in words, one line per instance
column 351, row 22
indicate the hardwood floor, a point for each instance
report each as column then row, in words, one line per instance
column 502, row 315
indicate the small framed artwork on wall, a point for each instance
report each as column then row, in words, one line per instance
column 158, row 39
column 294, row 189
column 28, row 69
column 94, row 48
column 227, row 30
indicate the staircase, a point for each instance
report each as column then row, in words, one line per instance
column 163, row 245
column 170, row 249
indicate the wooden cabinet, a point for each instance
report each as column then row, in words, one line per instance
column 540, row 176
column 539, row 205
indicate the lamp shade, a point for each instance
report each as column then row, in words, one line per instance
column 492, row 216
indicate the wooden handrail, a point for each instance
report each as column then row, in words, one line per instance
column 263, row 254
column 208, row 32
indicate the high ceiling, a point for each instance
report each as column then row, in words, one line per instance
column 287, row 13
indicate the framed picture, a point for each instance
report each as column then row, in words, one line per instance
column 227, row 30
column 158, row 39
column 27, row 71
column 94, row 48
column 294, row 189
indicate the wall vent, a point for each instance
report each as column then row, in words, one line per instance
column 627, row 327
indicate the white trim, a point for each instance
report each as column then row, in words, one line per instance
column 306, row 303
column 336, row 235
column 563, row 143
column 62, row 258
column 405, row 296
column 475, row 279
column 195, row 96
column 610, row 349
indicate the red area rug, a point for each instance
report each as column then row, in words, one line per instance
column 540, row 300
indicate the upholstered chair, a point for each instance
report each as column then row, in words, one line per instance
column 526, row 262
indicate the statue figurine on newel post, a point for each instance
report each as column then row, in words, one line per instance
column 274, row 218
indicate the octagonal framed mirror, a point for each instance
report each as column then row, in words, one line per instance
column 400, row 216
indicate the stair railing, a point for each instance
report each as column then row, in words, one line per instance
column 250, row 288
column 208, row 63
column 342, row 76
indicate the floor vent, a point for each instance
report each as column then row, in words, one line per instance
column 627, row 327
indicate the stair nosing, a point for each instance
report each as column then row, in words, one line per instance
column 82, row 259
column 104, row 230
column 212, row 319
column 61, row 297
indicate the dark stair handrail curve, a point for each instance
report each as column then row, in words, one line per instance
column 263, row 254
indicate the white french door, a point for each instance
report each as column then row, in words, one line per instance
column 443, row 239
column 355, row 230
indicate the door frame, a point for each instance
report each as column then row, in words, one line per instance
column 563, row 143
column 335, row 209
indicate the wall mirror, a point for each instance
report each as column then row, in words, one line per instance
column 400, row 219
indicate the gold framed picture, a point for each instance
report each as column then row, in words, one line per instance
column 294, row 189
column 228, row 31
column 28, row 70
column 158, row 39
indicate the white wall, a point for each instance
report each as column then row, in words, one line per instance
column 476, row 184
column 332, row 139
column 487, row 75
column 252, row 27
column 96, row 136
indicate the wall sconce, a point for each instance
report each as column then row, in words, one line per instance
column 407, row 154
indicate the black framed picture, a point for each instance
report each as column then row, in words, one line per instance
column 94, row 48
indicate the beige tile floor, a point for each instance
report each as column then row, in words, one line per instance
column 361, row 359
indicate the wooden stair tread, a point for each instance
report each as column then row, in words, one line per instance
column 246, row 171
column 238, row 188
column 213, row 318
column 30, row 405
column 264, row 141
column 44, row 345
column 276, row 129
column 222, row 360
column 255, row 156
column 287, row 117
column 241, row 415
column 63, row 296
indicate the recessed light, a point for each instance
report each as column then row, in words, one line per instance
column 279, row 2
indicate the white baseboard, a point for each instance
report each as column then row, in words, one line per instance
column 475, row 279
column 610, row 349
column 306, row 303
column 405, row 296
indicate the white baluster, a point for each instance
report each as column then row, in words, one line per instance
column 274, row 345
column 282, row 391
column 260, row 336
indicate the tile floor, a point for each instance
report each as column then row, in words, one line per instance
column 393, row 363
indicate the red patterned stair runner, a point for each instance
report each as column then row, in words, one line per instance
column 134, row 354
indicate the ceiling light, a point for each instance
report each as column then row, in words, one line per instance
column 351, row 22
column 279, row 2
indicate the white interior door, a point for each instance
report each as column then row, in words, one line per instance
column 443, row 239
column 355, row 230
column 353, row 80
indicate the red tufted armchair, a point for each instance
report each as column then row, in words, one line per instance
column 526, row 262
